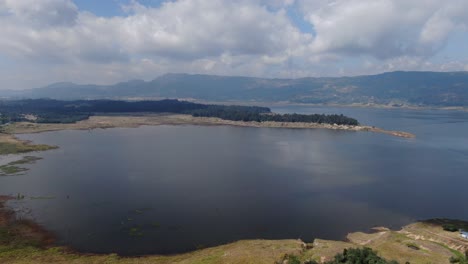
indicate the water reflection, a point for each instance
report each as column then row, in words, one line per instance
column 167, row 189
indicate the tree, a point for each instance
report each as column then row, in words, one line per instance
column 359, row 256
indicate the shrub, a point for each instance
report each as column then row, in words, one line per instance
column 361, row 256
column 412, row 246
column 450, row 228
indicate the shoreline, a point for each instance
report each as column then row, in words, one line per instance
column 23, row 240
column 10, row 144
column 136, row 120
column 14, row 154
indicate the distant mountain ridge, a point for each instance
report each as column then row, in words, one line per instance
column 440, row 89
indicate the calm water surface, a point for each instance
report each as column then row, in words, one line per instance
column 169, row 189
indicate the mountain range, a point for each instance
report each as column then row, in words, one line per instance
column 439, row 89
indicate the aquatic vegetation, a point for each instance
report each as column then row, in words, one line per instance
column 25, row 160
column 42, row 197
column 135, row 231
column 12, row 168
column 21, row 147
column 7, row 170
column 140, row 211
column 155, row 225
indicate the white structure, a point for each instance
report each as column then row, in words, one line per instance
column 464, row 234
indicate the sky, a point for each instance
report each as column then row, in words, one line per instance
column 108, row 41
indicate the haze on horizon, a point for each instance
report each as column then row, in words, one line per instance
column 104, row 42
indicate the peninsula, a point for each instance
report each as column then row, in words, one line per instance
column 41, row 115
column 32, row 116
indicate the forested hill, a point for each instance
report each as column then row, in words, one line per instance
column 438, row 89
column 54, row 111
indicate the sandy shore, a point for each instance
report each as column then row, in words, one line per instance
column 174, row 119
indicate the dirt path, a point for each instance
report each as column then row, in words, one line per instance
column 454, row 243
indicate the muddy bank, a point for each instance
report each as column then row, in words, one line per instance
column 16, row 232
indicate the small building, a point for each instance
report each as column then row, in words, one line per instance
column 464, row 234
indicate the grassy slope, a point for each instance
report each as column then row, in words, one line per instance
column 250, row 251
column 418, row 243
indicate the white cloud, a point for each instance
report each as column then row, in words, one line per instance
column 200, row 28
column 383, row 28
column 182, row 30
column 52, row 40
column 277, row 3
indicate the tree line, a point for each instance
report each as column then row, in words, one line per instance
column 234, row 114
column 56, row 111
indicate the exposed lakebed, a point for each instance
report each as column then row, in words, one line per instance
column 168, row 189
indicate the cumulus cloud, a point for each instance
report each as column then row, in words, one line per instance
column 186, row 29
column 198, row 28
column 55, row 41
column 383, row 28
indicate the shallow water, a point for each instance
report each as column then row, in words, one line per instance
column 7, row 159
column 169, row 189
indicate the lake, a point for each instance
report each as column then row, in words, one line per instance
column 170, row 189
